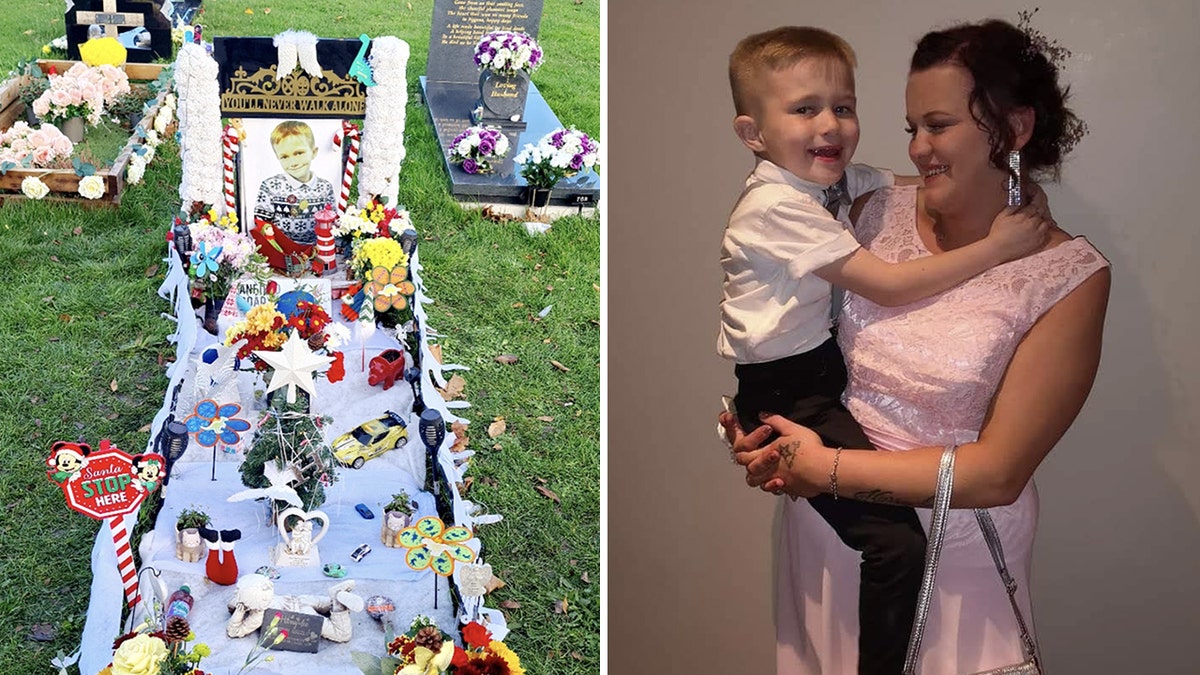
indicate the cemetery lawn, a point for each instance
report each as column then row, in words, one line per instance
column 85, row 347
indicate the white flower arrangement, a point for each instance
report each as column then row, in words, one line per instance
column 91, row 187
column 199, row 113
column 508, row 53
column 136, row 169
column 557, row 155
column 34, row 188
column 383, row 128
column 477, row 147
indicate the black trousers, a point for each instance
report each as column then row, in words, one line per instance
column 807, row 389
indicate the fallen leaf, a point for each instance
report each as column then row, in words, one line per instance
column 496, row 428
column 494, row 583
column 572, row 562
column 560, row 366
column 454, row 388
column 54, row 339
column 510, row 604
column 77, row 231
column 113, row 385
column 546, row 341
column 54, row 258
column 541, row 480
column 560, row 606
column 507, row 359
column 549, row 494
column 144, row 428
column 43, row 632
column 28, row 32
column 576, row 655
column 112, row 416
column 497, row 446
column 545, row 418
column 489, row 481
column 460, row 436
column 48, row 298
column 584, row 578
column 267, row 10
column 549, row 288
column 436, row 350
column 66, row 318
column 249, row 11
column 465, row 486
column 537, row 266
column 518, row 305
column 596, row 286
column 151, row 270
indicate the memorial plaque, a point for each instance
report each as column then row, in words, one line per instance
column 249, row 88
column 303, row 630
column 458, row 25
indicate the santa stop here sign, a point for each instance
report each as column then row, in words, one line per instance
column 105, row 483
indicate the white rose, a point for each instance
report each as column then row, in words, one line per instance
column 464, row 147
column 34, row 188
column 91, row 187
column 136, row 170
column 502, row 145
column 139, row 655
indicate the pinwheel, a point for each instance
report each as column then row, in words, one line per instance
column 205, row 260
column 390, row 288
column 212, row 422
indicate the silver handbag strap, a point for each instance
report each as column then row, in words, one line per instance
column 1028, row 646
column 933, row 552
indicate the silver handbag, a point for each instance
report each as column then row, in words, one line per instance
column 937, row 533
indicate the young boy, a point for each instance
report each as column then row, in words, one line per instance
column 793, row 91
column 291, row 200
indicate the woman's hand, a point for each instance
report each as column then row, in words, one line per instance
column 790, row 464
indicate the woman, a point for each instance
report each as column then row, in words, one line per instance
column 1000, row 365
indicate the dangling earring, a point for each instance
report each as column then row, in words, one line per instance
column 1014, row 178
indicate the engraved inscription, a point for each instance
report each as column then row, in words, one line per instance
column 470, row 19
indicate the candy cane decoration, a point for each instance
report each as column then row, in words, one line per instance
column 125, row 560
column 350, row 133
column 230, row 147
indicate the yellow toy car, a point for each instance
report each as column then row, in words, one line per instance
column 370, row 439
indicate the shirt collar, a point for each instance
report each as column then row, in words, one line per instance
column 770, row 172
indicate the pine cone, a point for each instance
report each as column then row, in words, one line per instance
column 177, row 629
column 429, row 637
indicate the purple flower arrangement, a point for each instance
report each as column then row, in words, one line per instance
column 507, row 53
column 477, row 147
column 557, row 155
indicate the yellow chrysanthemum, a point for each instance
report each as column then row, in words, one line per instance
column 99, row 51
column 380, row 252
column 262, row 317
column 510, row 657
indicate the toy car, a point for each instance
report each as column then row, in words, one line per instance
column 364, row 511
column 370, row 439
column 360, row 552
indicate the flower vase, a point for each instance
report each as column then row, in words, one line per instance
column 538, row 196
column 502, row 97
column 73, row 129
column 211, row 311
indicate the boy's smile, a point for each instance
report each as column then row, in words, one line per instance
column 295, row 156
column 805, row 119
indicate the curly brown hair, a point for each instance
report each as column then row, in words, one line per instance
column 1010, row 71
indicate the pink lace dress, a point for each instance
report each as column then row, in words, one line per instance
column 922, row 375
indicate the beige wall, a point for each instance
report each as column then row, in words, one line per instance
column 1117, row 566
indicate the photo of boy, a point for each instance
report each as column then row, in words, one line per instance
column 291, row 199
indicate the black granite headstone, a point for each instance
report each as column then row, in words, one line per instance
column 120, row 19
column 249, row 88
column 459, row 24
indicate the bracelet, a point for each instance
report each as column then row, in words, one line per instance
column 837, row 455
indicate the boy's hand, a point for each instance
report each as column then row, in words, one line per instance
column 1019, row 231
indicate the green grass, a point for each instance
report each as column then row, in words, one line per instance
column 79, row 311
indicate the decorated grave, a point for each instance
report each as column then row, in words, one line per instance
column 81, row 131
column 308, row 462
column 501, row 141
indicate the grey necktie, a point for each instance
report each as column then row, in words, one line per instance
column 836, row 196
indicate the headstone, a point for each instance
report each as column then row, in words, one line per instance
column 124, row 20
column 452, row 91
column 458, row 25
column 249, row 88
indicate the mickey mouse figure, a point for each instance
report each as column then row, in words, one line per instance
column 148, row 471
column 66, row 460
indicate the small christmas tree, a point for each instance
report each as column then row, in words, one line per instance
column 291, row 438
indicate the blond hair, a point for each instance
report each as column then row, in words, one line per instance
column 780, row 48
column 292, row 128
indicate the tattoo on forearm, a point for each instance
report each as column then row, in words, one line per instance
column 886, row 497
column 788, row 452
